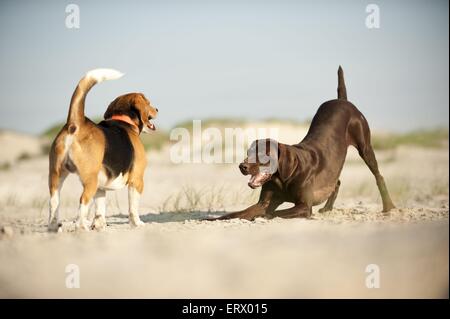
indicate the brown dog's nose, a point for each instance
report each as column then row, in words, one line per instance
column 244, row 167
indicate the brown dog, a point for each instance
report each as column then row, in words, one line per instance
column 105, row 156
column 307, row 173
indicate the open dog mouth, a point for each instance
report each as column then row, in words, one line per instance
column 151, row 126
column 258, row 179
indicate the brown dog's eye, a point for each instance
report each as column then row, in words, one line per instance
column 150, row 117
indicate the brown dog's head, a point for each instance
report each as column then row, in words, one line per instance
column 261, row 162
column 137, row 107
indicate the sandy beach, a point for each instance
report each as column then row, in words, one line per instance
column 176, row 255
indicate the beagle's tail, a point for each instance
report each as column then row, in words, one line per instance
column 76, row 111
column 341, row 90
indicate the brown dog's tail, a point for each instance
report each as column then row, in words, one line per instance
column 76, row 111
column 341, row 90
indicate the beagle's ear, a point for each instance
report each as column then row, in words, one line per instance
column 287, row 162
column 146, row 112
column 140, row 104
column 115, row 107
column 136, row 106
column 122, row 105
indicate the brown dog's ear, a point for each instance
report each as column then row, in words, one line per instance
column 287, row 162
column 272, row 153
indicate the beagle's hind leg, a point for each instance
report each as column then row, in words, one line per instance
column 56, row 176
column 133, row 205
column 89, row 190
column 56, row 181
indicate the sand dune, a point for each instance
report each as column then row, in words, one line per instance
column 16, row 146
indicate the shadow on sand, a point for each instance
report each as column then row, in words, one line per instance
column 166, row 217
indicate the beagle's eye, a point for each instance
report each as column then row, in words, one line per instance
column 150, row 117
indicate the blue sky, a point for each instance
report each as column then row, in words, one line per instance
column 246, row 59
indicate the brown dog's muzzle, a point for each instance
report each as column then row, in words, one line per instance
column 244, row 167
column 258, row 178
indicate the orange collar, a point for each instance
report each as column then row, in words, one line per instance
column 126, row 119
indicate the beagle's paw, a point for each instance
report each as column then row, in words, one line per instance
column 99, row 223
column 81, row 225
column 135, row 221
column 54, row 226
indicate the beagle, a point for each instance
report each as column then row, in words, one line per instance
column 106, row 156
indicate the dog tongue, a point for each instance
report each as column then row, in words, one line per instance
column 257, row 179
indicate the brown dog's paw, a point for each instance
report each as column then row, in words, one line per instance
column 325, row 209
column 387, row 209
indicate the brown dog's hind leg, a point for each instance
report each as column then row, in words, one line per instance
column 360, row 134
column 369, row 158
column 330, row 202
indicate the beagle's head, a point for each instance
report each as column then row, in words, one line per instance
column 137, row 107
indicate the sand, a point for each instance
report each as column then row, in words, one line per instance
column 176, row 255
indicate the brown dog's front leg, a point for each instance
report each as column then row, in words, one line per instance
column 298, row 211
column 267, row 203
column 249, row 213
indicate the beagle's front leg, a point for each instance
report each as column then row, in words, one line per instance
column 133, row 203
